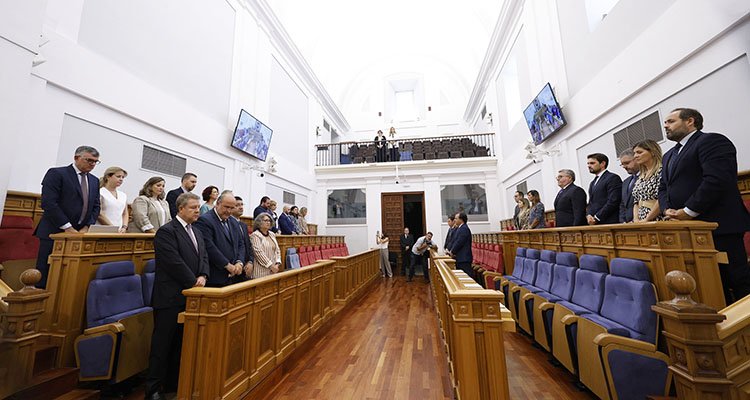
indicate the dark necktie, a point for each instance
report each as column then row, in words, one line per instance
column 85, row 195
column 674, row 158
column 192, row 236
column 596, row 179
column 632, row 183
column 225, row 224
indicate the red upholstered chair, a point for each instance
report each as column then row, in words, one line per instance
column 304, row 258
column 346, row 250
column 550, row 224
column 317, row 255
column 18, row 248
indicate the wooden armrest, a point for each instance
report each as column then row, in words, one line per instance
column 515, row 289
column 181, row 318
column 546, row 306
column 607, row 339
column 114, row 327
column 722, row 257
column 527, row 296
column 569, row 319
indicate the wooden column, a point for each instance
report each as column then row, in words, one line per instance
column 695, row 349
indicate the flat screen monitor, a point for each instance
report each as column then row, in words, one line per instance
column 543, row 115
column 252, row 136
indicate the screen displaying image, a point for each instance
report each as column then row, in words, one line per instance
column 252, row 136
column 543, row 115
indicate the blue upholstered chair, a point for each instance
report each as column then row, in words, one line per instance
column 503, row 282
column 116, row 344
column 292, row 259
column 588, row 292
column 561, row 289
column 147, row 281
column 528, row 276
column 617, row 346
column 542, row 283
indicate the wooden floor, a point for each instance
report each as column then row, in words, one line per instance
column 387, row 345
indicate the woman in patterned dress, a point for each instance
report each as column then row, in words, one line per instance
column 536, row 216
column 646, row 189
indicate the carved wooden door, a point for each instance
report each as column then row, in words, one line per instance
column 393, row 220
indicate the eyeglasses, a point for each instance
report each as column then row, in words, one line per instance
column 92, row 161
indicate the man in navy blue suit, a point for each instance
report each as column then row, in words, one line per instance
column 263, row 207
column 570, row 203
column 188, row 183
column 225, row 247
column 461, row 245
column 286, row 226
column 605, row 192
column 627, row 162
column 699, row 181
column 70, row 200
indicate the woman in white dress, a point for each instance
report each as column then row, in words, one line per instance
column 114, row 203
column 150, row 210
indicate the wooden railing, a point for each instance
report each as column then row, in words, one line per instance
column 24, row 204
column 472, row 321
column 237, row 338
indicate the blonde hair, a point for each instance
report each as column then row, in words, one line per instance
column 655, row 150
column 108, row 173
column 272, row 203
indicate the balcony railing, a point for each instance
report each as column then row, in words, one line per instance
column 431, row 148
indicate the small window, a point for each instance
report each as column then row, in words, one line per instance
column 289, row 197
column 347, row 207
column 470, row 199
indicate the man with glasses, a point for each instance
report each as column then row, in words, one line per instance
column 570, row 203
column 70, row 200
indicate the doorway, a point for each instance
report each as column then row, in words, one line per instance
column 399, row 210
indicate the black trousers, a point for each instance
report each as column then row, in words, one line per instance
column 405, row 260
column 166, row 346
column 735, row 276
column 45, row 249
column 421, row 260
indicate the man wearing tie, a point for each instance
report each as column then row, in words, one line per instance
column 189, row 181
column 406, row 241
column 225, row 247
column 570, row 203
column 627, row 162
column 460, row 248
column 70, row 200
column 451, row 230
column 699, row 181
column 605, row 192
column 239, row 209
column 181, row 263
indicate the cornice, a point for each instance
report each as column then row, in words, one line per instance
column 501, row 42
column 281, row 40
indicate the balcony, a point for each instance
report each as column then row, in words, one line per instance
column 404, row 150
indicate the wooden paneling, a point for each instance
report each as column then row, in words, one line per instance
column 24, row 204
column 743, row 183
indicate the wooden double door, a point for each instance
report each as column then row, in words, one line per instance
column 400, row 210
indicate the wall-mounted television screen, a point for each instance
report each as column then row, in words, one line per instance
column 543, row 115
column 252, row 136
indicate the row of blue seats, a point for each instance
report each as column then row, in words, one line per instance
column 596, row 321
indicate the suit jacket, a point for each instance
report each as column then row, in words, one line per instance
column 146, row 212
column 62, row 201
column 626, row 204
column 570, row 207
column 449, row 238
column 259, row 210
column 604, row 198
column 407, row 240
column 172, row 200
column 461, row 244
column 286, row 225
column 222, row 247
column 704, row 179
column 178, row 265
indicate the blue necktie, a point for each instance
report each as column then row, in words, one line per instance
column 674, row 158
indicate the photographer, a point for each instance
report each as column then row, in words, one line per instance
column 385, row 264
column 418, row 255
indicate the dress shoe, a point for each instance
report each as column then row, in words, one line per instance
column 155, row 396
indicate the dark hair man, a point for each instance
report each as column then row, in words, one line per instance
column 418, row 256
column 570, row 203
column 627, row 162
column 406, row 240
column 188, row 183
column 451, row 230
column 518, row 195
column 605, row 192
column 699, row 181
column 263, row 207
column 461, row 246
column 239, row 209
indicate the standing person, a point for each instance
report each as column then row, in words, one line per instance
column 524, row 212
column 536, row 215
column 70, row 202
column 517, row 196
column 225, row 247
column 380, row 146
column 150, row 210
column 627, row 162
column 385, row 263
column 181, row 263
column 303, row 221
column 113, row 202
column 605, row 192
column 418, row 256
column 449, row 236
column 265, row 247
column 699, row 181
column 274, row 216
column 294, row 214
column 406, row 241
column 570, row 203
column 461, row 247
column 286, row 225
column 239, row 209
column 646, row 189
column 187, row 184
column 263, row 207
column 209, row 194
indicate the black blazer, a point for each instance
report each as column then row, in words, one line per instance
column 449, row 238
column 626, row 204
column 260, row 210
column 461, row 244
column 570, row 207
column 172, row 200
column 62, row 201
column 223, row 248
column 604, row 198
column 406, row 241
column 178, row 265
column 704, row 179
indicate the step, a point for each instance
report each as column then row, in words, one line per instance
column 49, row 384
column 79, row 394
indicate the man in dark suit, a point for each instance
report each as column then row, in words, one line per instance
column 627, row 162
column 225, row 247
column 451, row 230
column 70, row 200
column 263, row 207
column 605, row 192
column 181, row 263
column 699, row 181
column 518, row 195
column 406, row 240
column 239, row 209
column 570, row 203
column 286, row 226
column 460, row 248
column 188, row 183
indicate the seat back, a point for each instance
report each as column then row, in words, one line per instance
column 17, row 241
column 291, row 252
column 114, row 293
column 563, row 275
column 317, row 255
column 519, row 262
column 589, row 282
column 147, row 280
column 544, row 270
column 628, row 297
column 292, row 261
column 530, row 265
